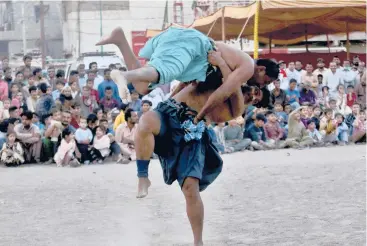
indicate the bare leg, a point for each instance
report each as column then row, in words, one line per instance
column 144, row 145
column 194, row 208
column 139, row 76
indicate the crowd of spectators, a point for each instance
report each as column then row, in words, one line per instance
column 87, row 118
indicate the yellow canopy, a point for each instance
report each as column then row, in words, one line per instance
column 287, row 21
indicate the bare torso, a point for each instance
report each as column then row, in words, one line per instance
column 196, row 101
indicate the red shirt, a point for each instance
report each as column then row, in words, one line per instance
column 94, row 92
column 351, row 99
column 74, row 123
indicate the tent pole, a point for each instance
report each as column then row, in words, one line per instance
column 211, row 28
column 269, row 44
column 328, row 42
column 256, row 30
column 306, row 38
column 348, row 43
column 223, row 28
column 243, row 29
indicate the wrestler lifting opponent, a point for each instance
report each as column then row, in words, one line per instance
column 185, row 150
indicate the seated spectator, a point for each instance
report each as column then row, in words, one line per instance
column 32, row 99
column 314, row 133
column 256, row 134
column 278, row 95
column 213, row 137
column 135, row 103
column 328, row 127
column 125, row 134
column 272, row 128
column 14, row 89
column 349, row 119
column 280, row 114
column 324, row 98
column 101, row 145
column 293, row 94
column 120, row 118
column 59, row 86
column 88, row 102
column 11, row 153
column 65, row 153
column 13, row 112
column 334, row 108
column 36, row 121
column 219, row 134
column 75, row 115
column 233, row 136
column 298, row 136
column 351, row 96
column 83, row 137
column 146, row 106
column 30, row 138
column 361, row 91
column 341, row 101
column 359, row 128
column 315, row 117
column 307, row 96
column 304, row 115
column 108, row 102
column 45, row 103
column 341, row 130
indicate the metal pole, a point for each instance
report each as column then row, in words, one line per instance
column 243, row 29
column 100, row 22
column 24, row 30
column 306, row 37
column 79, row 35
column 223, row 26
column 256, row 30
column 42, row 23
column 348, row 43
column 328, row 42
column 270, row 39
column 211, row 28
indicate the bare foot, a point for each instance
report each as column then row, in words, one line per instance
column 143, row 185
column 199, row 244
column 116, row 35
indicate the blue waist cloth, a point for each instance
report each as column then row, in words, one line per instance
column 178, row 53
column 181, row 156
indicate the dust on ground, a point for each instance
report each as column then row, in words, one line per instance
column 285, row 197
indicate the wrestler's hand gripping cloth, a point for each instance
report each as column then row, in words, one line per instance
column 185, row 150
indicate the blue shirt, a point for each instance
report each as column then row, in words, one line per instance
column 102, row 88
column 291, row 95
column 56, row 94
column 83, row 134
column 255, row 133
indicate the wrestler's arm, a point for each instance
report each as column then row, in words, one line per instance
column 242, row 72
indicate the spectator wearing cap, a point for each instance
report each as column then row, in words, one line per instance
column 30, row 138
column 107, row 82
column 45, row 103
column 135, row 103
column 320, row 68
column 233, row 137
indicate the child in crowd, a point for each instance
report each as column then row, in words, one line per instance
column 316, row 116
column 359, row 128
column 83, row 137
column 272, row 128
column 293, row 94
column 12, row 151
column 14, row 89
column 288, row 109
column 304, row 115
column 351, row 96
column 324, row 98
column 146, row 105
column 257, row 134
column 59, row 86
column 36, row 121
column 341, row 130
column 281, row 115
column 65, row 153
column 314, row 133
column 93, row 93
column 4, row 112
column 101, row 145
column 328, row 127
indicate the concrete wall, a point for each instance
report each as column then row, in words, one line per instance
column 140, row 16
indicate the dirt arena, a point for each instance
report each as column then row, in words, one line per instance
column 286, row 197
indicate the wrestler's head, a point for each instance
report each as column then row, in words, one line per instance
column 266, row 71
column 251, row 94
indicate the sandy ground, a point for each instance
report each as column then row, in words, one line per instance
column 286, row 197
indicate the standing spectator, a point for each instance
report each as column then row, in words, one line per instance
column 256, row 134
column 351, row 96
column 30, row 137
column 309, row 78
column 88, row 102
column 272, row 128
column 59, row 86
column 278, row 95
column 299, row 69
column 135, row 103
column 292, row 73
column 108, row 83
column 333, row 78
column 283, row 79
column 321, row 70
column 320, row 79
column 82, row 77
column 45, row 103
column 7, row 75
column 93, row 66
column 93, row 93
column 349, row 76
column 337, row 62
column 4, row 63
column 233, row 136
column 361, row 91
column 125, row 134
column 52, row 77
column 293, row 94
column 107, row 101
column 307, row 96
